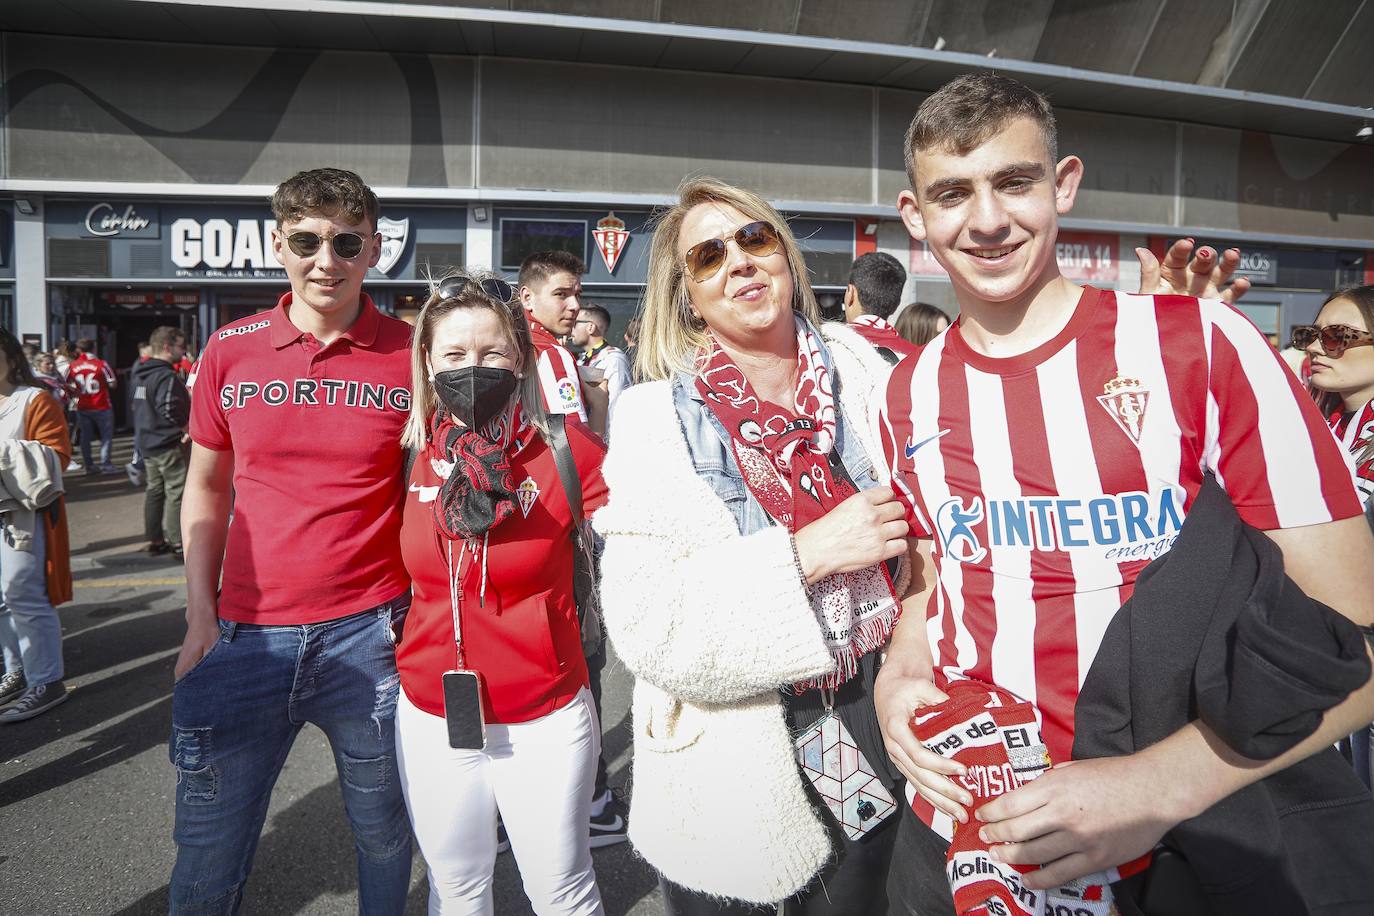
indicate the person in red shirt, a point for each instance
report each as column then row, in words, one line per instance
column 550, row 290
column 90, row 380
column 486, row 539
column 875, row 288
column 296, row 419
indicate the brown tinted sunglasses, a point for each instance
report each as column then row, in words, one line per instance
column 704, row 259
column 1335, row 338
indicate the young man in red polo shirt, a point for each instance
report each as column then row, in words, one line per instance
column 1047, row 447
column 296, row 423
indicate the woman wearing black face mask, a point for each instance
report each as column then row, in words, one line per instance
column 495, row 712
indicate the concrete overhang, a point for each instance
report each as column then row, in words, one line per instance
column 443, row 28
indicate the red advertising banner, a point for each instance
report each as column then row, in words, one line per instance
column 1086, row 256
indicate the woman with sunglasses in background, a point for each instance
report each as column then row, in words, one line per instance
column 746, row 580
column 1340, row 351
column 495, row 712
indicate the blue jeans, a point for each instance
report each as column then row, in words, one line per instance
column 234, row 718
column 30, row 633
column 95, row 424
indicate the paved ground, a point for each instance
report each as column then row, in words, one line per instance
column 86, row 790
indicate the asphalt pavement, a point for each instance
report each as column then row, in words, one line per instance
column 86, row 791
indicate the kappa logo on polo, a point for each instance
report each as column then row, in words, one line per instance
column 332, row 392
column 1126, row 526
column 246, row 329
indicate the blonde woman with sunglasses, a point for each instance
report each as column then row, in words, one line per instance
column 495, row 711
column 750, row 571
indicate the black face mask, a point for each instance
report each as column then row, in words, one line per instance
column 475, row 394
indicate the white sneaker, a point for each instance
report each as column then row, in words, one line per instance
column 73, row 466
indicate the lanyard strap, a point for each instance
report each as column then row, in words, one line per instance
column 456, row 601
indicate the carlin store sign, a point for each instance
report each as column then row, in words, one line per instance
column 125, row 221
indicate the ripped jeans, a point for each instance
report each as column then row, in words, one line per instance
column 234, row 718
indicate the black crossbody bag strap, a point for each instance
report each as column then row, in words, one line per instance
column 567, row 467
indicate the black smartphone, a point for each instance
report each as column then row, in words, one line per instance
column 463, row 710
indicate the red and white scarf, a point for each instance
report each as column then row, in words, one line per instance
column 784, row 454
column 1355, row 430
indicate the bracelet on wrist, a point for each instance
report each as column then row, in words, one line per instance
column 796, row 561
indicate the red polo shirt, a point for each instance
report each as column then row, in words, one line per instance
column 523, row 635
column 315, row 431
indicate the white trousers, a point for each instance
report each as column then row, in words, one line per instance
column 539, row 774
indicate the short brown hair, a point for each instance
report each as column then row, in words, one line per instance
column 963, row 113
column 163, row 337
column 541, row 265
column 325, row 192
column 85, row 345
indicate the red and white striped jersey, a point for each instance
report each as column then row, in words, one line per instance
column 557, row 373
column 1049, row 480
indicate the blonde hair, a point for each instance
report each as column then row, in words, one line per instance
column 670, row 337
column 423, row 399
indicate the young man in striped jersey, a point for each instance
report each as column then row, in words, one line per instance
column 551, row 292
column 1048, row 446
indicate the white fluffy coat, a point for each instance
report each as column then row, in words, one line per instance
column 712, row 624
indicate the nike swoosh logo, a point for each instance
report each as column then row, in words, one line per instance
column 615, row 825
column 912, row 449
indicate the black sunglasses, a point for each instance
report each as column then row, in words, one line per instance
column 492, row 287
column 347, row 245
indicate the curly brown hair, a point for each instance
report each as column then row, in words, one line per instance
column 325, row 192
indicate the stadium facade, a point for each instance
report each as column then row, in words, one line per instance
column 139, row 140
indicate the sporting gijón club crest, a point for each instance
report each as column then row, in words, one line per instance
column 611, row 239
column 1125, row 399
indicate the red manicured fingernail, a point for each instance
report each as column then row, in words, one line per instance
column 1205, row 253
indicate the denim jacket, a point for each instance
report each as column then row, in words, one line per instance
column 709, row 445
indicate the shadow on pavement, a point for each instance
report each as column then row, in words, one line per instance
column 88, row 707
column 91, row 547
